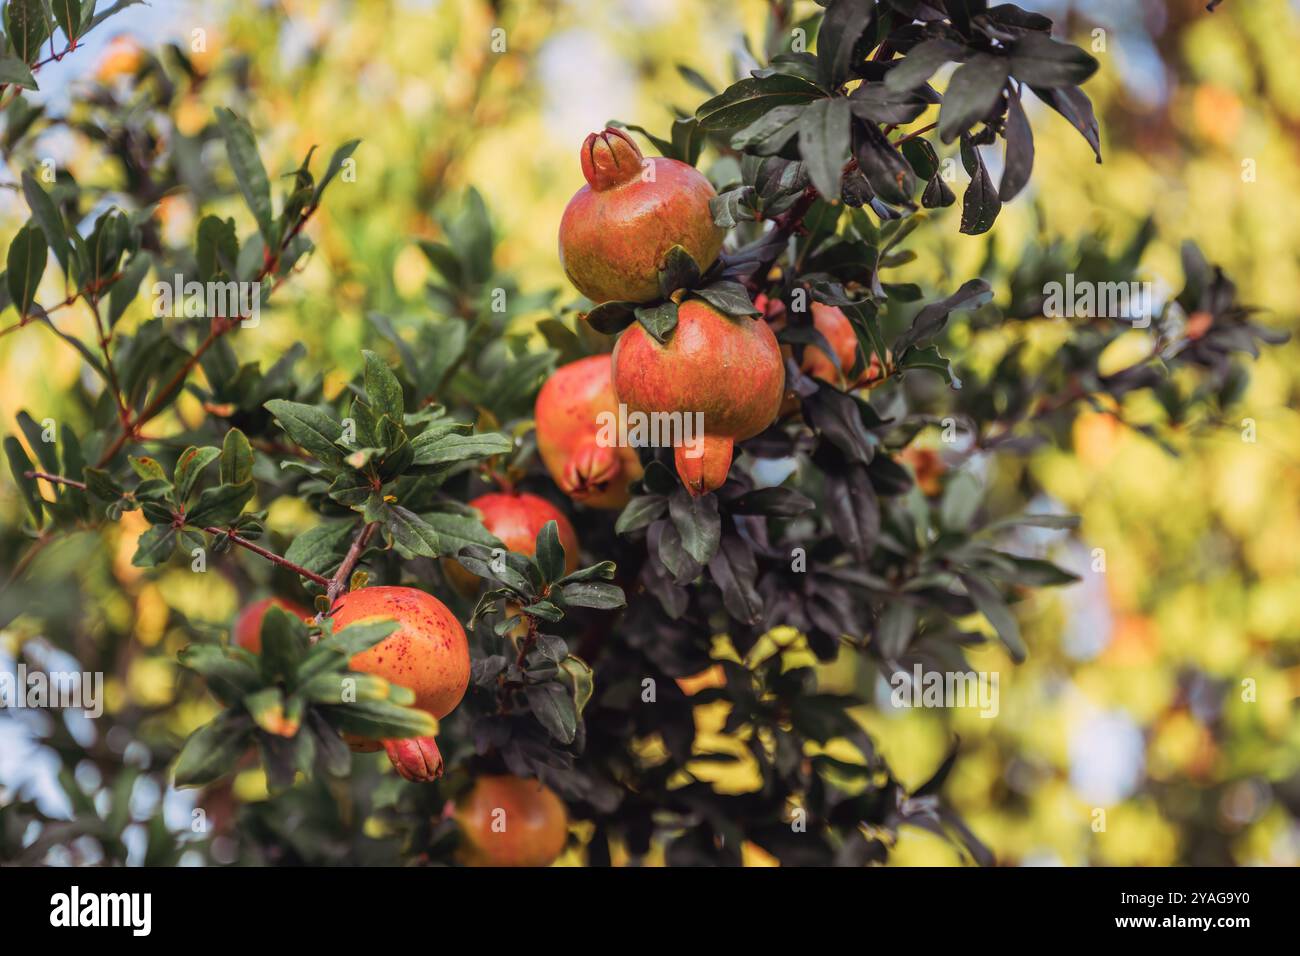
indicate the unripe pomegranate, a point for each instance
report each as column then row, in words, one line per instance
column 728, row 369
column 428, row 654
column 618, row 228
column 247, row 631
column 567, row 412
column 516, row 519
column 508, row 821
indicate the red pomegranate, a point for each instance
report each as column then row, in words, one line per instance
column 516, row 519
column 247, row 631
column 618, row 228
column 835, row 327
column 428, row 654
column 568, row 412
column 729, row 369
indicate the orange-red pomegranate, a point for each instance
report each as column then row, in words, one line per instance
column 729, row 369
column 617, row 229
column 516, row 519
column 428, row 654
column 567, row 412
column 835, row 327
column 247, row 631
column 508, row 821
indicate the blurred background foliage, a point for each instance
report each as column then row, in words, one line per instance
column 1132, row 700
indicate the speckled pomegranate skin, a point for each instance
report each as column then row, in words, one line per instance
column 536, row 824
column 428, row 653
column 617, row 229
column 566, row 415
column 728, row 368
column 247, row 631
column 516, row 519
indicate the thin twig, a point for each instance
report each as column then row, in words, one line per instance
column 337, row 584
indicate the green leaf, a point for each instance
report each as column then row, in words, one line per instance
column 594, row 594
column 127, row 287
column 578, row 677
column 228, row 674
column 217, row 249
column 411, row 534
column 25, row 264
column 20, row 464
column 971, row 94
column 455, row 531
column 611, row 318
column 824, row 143
column 894, row 629
column 729, row 298
column 26, row 27
column 42, row 445
column 640, row 512
column 241, row 147
column 989, row 603
column 382, row 388
column 213, row 749
column 553, row 707
column 698, row 522
column 48, row 218
column 220, row 506
column 768, row 134
column 336, row 162
column 14, row 72
column 448, row 448
column 550, row 552
column 920, row 63
column 311, row 428
column 842, row 26
column 600, row 571
column 155, row 546
column 236, row 458
column 981, row 205
column 745, row 101
column 147, row 468
column 658, row 320
column 1039, row 60
column 961, row 499
column 321, row 549
column 380, row 720
column 67, row 13
column 678, row 271
column 189, row 466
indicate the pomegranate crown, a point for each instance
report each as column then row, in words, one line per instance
column 610, row 158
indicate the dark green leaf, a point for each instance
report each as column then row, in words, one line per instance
column 824, row 143
column 25, row 264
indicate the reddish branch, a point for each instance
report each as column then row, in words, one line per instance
column 338, row 584
column 234, row 538
column 219, row 327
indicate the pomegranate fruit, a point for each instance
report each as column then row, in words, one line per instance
column 567, row 411
column 927, row 466
column 836, row 328
column 428, row 654
column 247, row 632
column 509, row 821
column 728, row 369
column 516, row 519
column 617, row 229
